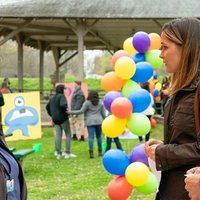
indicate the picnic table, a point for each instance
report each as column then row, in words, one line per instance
column 22, row 153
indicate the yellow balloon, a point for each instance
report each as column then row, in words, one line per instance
column 158, row 86
column 137, row 174
column 155, row 41
column 113, row 126
column 125, row 68
column 128, row 46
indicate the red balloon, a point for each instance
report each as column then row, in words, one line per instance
column 121, row 107
column 153, row 122
column 117, row 55
column 119, row 188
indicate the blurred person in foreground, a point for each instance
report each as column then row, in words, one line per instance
column 13, row 185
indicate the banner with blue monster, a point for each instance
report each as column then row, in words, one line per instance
column 21, row 115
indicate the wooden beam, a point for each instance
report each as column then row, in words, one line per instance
column 20, row 40
column 41, row 67
column 37, row 27
column 102, row 39
column 15, row 32
column 69, row 58
column 56, row 55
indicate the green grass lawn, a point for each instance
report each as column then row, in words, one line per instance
column 79, row 178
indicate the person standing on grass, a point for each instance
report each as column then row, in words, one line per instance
column 77, row 122
column 94, row 114
column 5, row 86
column 109, row 141
column 57, row 109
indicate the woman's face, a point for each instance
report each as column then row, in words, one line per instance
column 170, row 53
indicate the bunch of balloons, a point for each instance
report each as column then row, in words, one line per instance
column 127, row 102
column 130, row 173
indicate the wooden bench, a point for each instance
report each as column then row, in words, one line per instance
column 21, row 154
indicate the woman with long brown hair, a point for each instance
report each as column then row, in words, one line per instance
column 180, row 150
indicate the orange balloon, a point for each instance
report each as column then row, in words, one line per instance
column 119, row 188
column 117, row 55
column 155, row 41
column 121, row 107
column 111, row 82
column 157, row 99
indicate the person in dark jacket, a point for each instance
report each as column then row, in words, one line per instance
column 180, row 151
column 57, row 109
column 13, row 185
column 77, row 121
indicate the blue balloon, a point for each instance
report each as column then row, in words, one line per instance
column 138, row 57
column 144, row 71
column 155, row 76
column 140, row 100
column 155, row 92
column 115, row 161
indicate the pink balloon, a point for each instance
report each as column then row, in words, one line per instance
column 119, row 54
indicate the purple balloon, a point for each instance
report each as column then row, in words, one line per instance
column 109, row 98
column 141, row 41
column 138, row 154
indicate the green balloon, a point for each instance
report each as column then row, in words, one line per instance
column 150, row 186
column 138, row 124
column 129, row 87
column 153, row 57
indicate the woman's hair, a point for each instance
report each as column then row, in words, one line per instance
column 93, row 96
column 184, row 32
column 165, row 79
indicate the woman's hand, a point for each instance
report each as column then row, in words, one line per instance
column 150, row 147
column 194, row 170
column 192, row 184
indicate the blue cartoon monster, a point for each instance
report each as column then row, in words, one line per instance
column 20, row 117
